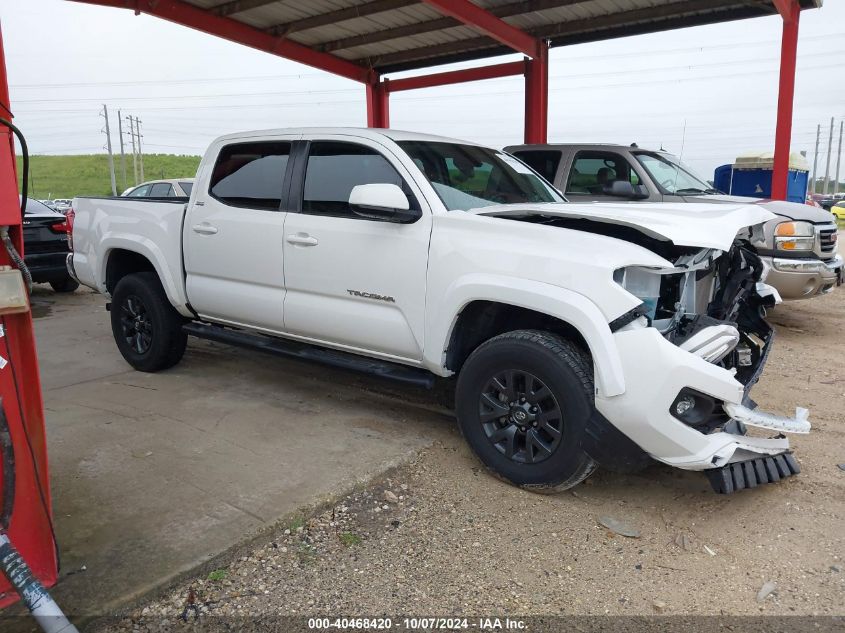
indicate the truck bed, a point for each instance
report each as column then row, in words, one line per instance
column 149, row 226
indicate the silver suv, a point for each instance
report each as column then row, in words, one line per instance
column 799, row 246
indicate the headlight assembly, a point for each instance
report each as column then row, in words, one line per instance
column 795, row 236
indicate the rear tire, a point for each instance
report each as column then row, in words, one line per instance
column 64, row 285
column 523, row 401
column 146, row 328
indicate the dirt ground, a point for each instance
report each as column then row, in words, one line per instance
column 442, row 537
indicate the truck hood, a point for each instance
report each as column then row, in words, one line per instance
column 683, row 224
column 791, row 210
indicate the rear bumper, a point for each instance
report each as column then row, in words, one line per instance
column 655, row 373
column 69, row 268
column 46, row 266
column 804, row 278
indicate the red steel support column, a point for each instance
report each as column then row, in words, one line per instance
column 20, row 388
column 378, row 103
column 790, row 11
column 537, row 97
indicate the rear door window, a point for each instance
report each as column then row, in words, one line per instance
column 544, row 162
column 161, row 190
column 251, row 175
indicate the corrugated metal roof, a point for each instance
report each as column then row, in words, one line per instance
column 394, row 35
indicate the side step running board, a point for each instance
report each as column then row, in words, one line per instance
column 303, row 351
column 752, row 473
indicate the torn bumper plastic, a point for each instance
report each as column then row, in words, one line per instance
column 655, row 372
column 762, row 420
column 752, row 473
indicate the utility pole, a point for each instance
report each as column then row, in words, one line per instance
column 134, row 154
column 141, row 151
column 829, row 152
column 108, row 147
column 816, row 157
column 838, row 159
column 122, row 155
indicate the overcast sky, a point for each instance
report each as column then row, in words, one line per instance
column 707, row 92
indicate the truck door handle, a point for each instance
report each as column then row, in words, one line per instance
column 302, row 239
column 204, row 229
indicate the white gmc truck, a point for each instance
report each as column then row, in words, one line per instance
column 575, row 335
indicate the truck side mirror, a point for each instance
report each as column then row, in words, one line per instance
column 623, row 189
column 382, row 201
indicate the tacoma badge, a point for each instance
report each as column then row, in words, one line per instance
column 371, row 295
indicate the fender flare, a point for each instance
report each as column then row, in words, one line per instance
column 568, row 306
column 148, row 249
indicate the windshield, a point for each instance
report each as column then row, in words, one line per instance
column 35, row 207
column 186, row 187
column 470, row 177
column 672, row 176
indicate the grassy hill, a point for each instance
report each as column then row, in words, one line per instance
column 88, row 175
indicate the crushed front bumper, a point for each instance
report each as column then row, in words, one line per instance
column 655, row 372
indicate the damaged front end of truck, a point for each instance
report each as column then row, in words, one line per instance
column 693, row 347
column 712, row 304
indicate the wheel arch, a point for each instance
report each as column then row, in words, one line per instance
column 121, row 262
column 480, row 310
column 123, row 258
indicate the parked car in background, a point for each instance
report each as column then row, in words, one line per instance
column 825, row 201
column 799, row 245
column 838, row 211
column 45, row 246
column 173, row 188
column 579, row 335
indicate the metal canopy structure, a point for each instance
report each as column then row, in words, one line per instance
column 364, row 40
column 395, row 35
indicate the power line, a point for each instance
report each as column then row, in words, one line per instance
column 818, row 39
column 568, row 76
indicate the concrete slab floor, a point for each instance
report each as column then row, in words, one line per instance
column 153, row 474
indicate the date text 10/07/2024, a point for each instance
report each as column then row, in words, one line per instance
column 414, row 624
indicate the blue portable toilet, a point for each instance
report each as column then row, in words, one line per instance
column 751, row 175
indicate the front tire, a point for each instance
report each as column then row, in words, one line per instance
column 523, row 401
column 64, row 285
column 146, row 328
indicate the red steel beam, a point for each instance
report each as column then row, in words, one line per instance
column 788, row 9
column 378, row 102
column 482, row 20
column 20, row 388
column 458, row 76
column 537, row 98
column 786, row 93
column 234, row 31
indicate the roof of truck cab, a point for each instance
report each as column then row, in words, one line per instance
column 560, row 146
column 361, row 132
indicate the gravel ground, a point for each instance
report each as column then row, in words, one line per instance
column 441, row 536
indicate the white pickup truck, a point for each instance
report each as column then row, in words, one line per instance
column 575, row 335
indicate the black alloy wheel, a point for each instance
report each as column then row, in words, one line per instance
column 136, row 324
column 146, row 327
column 521, row 416
column 523, row 400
